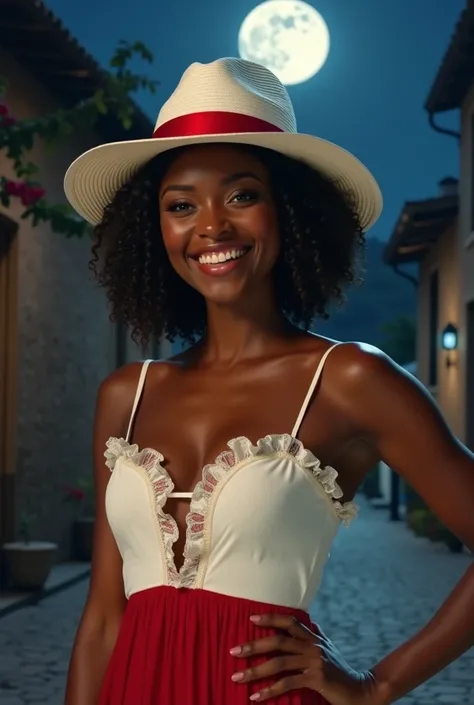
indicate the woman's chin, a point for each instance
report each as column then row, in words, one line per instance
column 221, row 293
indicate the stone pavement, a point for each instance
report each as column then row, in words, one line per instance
column 380, row 586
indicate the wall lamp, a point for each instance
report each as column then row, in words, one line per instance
column 449, row 342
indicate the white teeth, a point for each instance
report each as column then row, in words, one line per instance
column 218, row 258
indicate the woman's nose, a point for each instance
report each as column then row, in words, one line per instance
column 213, row 223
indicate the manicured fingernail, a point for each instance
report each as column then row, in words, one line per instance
column 255, row 618
column 237, row 677
column 257, row 696
column 235, row 651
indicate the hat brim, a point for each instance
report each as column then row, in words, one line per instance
column 94, row 178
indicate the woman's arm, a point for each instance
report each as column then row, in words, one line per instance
column 413, row 439
column 102, row 615
column 389, row 408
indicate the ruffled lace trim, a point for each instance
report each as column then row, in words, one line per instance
column 240, row 451
column 325, row 474
column 151, row 461
column 147, row 458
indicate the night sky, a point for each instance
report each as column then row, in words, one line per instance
column 368, row 97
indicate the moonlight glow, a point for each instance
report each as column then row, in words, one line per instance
column 288, row 37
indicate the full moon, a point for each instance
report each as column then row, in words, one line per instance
column 288, row 37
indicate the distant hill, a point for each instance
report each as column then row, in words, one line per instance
column 382, row 297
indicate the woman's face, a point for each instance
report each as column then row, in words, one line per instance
column 218, row 221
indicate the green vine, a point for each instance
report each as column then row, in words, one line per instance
column 17, row 137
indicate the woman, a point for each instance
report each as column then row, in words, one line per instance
column 230, row 230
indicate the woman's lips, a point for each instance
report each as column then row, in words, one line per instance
column 219, row 269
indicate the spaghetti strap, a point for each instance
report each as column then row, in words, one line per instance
column 311, row 390
column 138, row 394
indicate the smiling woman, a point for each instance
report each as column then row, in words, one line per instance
column 221, row 257
column 218, row 499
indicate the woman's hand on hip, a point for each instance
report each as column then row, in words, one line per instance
column 304, row 660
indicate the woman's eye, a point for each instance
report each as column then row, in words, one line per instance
column 245, row 196
column 179, row 207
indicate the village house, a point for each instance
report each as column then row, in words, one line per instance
column 438, row 234
column 56, row 342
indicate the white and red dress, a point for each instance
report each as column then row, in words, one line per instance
column 259, row 529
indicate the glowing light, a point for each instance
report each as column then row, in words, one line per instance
column 289, row 37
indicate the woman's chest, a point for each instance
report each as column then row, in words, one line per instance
column 191, row 418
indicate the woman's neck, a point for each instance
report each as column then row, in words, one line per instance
column 236, row 333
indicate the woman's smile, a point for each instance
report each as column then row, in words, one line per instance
column 221, row 259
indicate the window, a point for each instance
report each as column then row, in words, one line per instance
column 433, row 330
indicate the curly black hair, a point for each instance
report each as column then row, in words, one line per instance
column 321, row 240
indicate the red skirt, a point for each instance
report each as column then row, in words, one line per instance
column 173, row 649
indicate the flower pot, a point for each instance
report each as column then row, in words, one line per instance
column 28, row 564
column 82, row 538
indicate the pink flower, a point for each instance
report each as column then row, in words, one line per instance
column 15, row 188
column 6, row 120
column 29, row 195
column 32, row 195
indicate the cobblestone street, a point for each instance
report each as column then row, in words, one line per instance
column 380, row 586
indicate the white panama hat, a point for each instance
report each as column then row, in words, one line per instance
column 229, row 101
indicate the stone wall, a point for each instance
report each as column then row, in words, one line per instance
column 66, row 344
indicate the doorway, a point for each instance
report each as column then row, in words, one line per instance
column 8, row 373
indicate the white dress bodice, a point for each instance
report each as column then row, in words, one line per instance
column 260, row 523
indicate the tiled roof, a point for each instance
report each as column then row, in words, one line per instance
column 456, row 73
column 41, row 43
column 419, row 226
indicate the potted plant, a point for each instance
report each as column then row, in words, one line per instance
column 82, row 496
column 28, row 563
column 416, row 521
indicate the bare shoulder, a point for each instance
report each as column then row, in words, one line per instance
column 117, row 390
column 119, row 387
column 371, row 389
column 358, row 371
column 350, row 360
column 358, row 362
